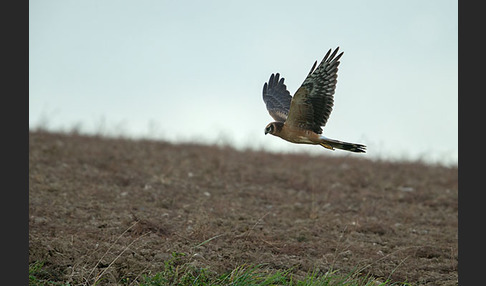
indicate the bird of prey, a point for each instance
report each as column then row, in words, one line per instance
column 299, row 119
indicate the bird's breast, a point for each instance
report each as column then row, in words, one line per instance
column 298, row 135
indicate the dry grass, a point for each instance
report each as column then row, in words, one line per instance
column 111, row 210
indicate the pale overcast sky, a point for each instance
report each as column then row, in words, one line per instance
column 194, row 70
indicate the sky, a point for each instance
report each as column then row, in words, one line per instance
column 193, row 71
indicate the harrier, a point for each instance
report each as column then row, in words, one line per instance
column 299, row 119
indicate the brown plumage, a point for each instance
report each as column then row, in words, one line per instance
column 299, row 119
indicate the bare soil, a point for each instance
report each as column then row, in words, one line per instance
column 116, row 209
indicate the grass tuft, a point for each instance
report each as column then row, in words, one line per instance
column 176, row 272
column 39, row 277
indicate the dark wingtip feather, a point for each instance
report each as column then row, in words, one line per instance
column 327, row 55
column 276, row 79
column 333, row 54
column 312, row 68
column 270, row 81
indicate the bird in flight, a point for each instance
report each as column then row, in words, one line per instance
column 299, row 119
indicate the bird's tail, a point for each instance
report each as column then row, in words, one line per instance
column 331, row 144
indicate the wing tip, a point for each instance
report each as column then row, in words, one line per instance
column 265, row 88
column 332, row 57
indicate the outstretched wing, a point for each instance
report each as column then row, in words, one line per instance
column 313, row 101
column 277, row 98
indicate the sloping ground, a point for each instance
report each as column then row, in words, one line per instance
column 116, row 209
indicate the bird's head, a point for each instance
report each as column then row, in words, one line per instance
column 270, row 128
column 274, row 128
